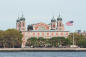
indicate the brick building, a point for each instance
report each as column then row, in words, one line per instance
column 54, row 29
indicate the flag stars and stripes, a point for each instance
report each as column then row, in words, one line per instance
column 69, row 23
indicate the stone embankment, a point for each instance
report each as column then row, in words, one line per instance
column 40, row 49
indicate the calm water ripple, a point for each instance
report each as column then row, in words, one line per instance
column 42, row 54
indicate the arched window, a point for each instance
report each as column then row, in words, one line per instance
column 20, row 24
column 47, row 33
column 53, row 26
column 60, row 24
column 56, row 33
column 23, row 24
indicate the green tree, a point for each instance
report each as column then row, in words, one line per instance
column 41, row 41
column 32, row 42
column 79, row 39
column 58, row 41
column 11, row 38
column 67, row 42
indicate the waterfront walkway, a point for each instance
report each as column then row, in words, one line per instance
column 42, row 49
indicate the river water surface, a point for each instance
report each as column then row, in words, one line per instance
column 42, row 54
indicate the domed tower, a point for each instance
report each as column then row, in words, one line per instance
column 20, row 24
column 60, row 25
column 53, row 24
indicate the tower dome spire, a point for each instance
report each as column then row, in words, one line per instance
column 22, row 17
column 53, row 19
column 22, row 14
column 59, row 17
column 18, row 19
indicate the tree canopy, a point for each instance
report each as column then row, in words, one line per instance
column 10, row 38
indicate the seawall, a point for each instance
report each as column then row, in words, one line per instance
column 40, row 49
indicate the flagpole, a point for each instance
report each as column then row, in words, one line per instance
column 73, row 38
column 70, row 23
column 74, row 41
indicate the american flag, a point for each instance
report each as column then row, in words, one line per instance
column 69, row 23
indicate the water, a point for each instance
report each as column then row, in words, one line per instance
column 42, row 54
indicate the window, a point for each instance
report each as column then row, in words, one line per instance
column 60, row 24
column 23, row 24
column 56, row 33
column 47, row 33
column 33, row 33
column 52, row 33
column 62, row 34
column 53, row 26
column 41, row 28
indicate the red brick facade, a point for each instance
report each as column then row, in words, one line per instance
column 37, row 26
column 54, row 29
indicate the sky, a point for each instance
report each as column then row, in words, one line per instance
column 36, row 11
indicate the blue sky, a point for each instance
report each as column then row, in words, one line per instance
column 42, row 11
